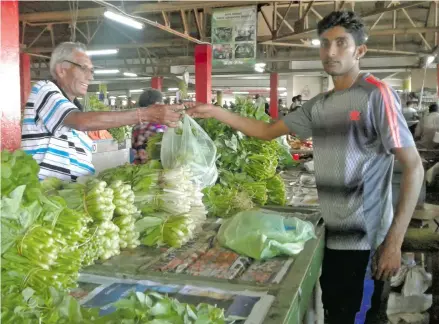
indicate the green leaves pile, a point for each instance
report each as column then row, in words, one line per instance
column 246, row 166
column 170, row 204
column 155, row 308
column 44, row 243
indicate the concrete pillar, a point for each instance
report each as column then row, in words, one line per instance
column 10, row 76
column 25, row 83
column 219, row 98
column 157, row 83
column 274, row 83
column 203, row 73
column 290, row 90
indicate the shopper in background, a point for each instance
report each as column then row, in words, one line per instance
column 54, row 124
column 427, row 128
column 411, row 115
column 142, row 132
column 357, row 129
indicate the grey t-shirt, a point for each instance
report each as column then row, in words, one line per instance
column 353, row 134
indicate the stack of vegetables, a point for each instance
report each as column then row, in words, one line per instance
column 42, row 239
column 125, row 214
column 247, row 166
column 170, row 204
column 95, row 200
column 43, row 244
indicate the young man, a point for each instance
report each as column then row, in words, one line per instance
column 357, row 129
column 428, row 128
column 54, row 125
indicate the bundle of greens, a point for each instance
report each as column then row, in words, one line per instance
column 125, row 214
column 151, row 307
column 276, row 191
column 41, row 237
column 163, row 229
column 222, row 201
column 95, row 200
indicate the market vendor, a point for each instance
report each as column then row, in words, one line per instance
column 54, row 123
column 358, row 129
column 142, row 132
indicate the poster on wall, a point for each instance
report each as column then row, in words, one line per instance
column 234, row 36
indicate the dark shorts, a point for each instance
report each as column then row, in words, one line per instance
column 349, row 294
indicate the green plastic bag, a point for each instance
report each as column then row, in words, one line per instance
column 262, row 234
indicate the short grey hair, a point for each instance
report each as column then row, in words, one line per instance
column 62, row 52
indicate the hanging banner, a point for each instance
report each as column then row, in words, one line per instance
column 234, row 36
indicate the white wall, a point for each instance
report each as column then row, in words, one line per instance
column 307, row 86
column 418, row 76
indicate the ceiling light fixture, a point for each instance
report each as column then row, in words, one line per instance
column 123, row 96
column 123, row 19
column 430, row 59
column 102, row 52
column 240, row 92
column 136, row 91
column 172, row 89
column 281, row 89
column 130, row 74
column 106, row 71
column 315, row 42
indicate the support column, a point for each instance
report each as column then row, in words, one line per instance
column 274, row 83
column 25, row 82
column 203, row 73
column 157, row 83
column 290, row 90
column 10, row 76
column 219, row 98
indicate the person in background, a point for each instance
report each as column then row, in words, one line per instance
column 54, row 123
column 267, row 108
column 411, row 115
column 293, row 104
column 358, row 130
column 428, row 128
column 142, row 132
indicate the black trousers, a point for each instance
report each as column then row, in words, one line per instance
column 346, row 290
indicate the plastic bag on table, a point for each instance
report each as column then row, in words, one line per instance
column 262, row 235
column 417, row 281
column 190, row 145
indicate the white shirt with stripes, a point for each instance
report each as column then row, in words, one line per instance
column 60, row 151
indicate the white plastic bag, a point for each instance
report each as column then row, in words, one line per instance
column 417, row 281
column 189, row 145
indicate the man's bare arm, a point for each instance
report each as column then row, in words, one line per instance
column 91, row 121
column 411, row 183
column 248, row 126
column 387, row 259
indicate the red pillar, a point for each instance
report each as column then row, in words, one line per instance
column 274, row 83
column 10, row 75
column 25, row 82
column 203, row 73
column 157, row 82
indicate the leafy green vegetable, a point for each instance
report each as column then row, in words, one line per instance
column 120, row 134
column 153, row 308
column 222, row 201
column 276, row 191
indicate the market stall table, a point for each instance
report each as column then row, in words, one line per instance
column 201, row 263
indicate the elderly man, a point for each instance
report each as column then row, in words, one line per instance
column 54, row 125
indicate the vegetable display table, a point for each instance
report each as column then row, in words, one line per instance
column 202, row 263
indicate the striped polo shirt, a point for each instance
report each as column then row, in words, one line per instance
column 60, row 151
column 354, row 132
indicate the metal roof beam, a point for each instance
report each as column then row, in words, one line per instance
column 149, row 8
column 311, row 31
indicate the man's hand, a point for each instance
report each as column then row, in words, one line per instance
column 386, row 261
column 202, row 111
column 168, row 115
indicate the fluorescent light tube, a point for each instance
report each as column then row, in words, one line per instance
column 123, row 19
